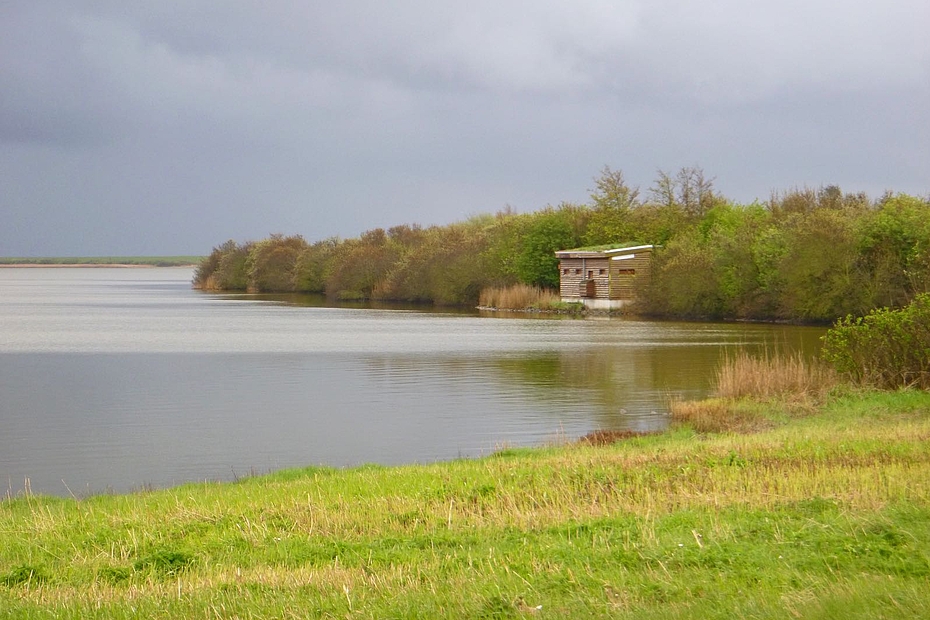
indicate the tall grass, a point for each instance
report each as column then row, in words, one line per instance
column 773, row 375
column 519, row 297
column 797, row 382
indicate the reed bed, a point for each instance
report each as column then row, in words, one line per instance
column 774, row 375
column 745, row 382
column 519, row 297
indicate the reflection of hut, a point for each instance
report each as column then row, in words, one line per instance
column 603, row 279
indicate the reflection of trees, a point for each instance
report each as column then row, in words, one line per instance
column 614, row 386
column 625, row 387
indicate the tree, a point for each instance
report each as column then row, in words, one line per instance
column 549, row 232
column 689, row 190
column 613, row 200
column 895, row 246
column 272, row 264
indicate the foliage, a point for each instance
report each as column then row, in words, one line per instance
column 886, row 348
column 314, row 265
column 550, row 231
column 806, row 255
column 224, row 269
column 894, row 245
column 820, row 276
column 685, row 281
column 272, row 264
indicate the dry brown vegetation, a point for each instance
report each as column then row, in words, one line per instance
column 607, row 437
column 518, row 297
column 798, row 383
column 774, row 375
column 718, row 415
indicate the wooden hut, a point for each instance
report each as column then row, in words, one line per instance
column 603, row 279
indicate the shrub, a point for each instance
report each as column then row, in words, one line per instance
column 886, row 349
column 272, row 264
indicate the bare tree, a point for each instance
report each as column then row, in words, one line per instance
column 612, row 192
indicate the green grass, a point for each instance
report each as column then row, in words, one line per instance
column 822, row 515
column 155, row 261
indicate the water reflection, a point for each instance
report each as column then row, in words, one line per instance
column 119, row 378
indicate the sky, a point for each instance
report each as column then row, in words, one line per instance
column 167, row 127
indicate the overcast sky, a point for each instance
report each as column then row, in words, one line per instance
column 167, row 127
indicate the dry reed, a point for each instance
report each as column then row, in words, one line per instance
column 518, row 297
column 797, row 382
column 788, row 376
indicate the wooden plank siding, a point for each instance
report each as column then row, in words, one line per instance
column 576, row 272
column 616, row 274
column 627, row 274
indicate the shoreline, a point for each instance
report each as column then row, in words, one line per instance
column 827, row 506
column 86, row 265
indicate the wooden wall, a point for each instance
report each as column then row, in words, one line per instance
column 627, row 275
column 579, row 270
column 614, row 279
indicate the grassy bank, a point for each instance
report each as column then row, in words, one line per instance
column 824, row 513
column 103, row 261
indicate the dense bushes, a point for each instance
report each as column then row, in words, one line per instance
column 886, row 348
column 803, row 255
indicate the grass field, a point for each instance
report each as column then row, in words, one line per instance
column 823, row 511
column 151, row 261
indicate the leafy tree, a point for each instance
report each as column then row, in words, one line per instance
column 895, row 249
column 272, row 264
column 360, row 264
column 613, row 201
column 550, row 231
column 685, row 281
column 818, row 268
column 204, row 276
column 232, row 273
column 314, row 265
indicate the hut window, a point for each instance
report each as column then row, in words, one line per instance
column 626, row 272
column 600, row 272
column 565, row 272
column 590, row 273
column 577, row 271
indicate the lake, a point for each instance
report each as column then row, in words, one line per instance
column 115, row 379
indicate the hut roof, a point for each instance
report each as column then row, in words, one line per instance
column 600, row 251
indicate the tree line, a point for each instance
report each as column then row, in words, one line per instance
column 802, row 255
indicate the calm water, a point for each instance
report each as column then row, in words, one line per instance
column 114, row 379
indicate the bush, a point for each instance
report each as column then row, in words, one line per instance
column 886, row 349
column 272, row 264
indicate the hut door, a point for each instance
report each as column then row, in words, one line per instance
column 590, row 288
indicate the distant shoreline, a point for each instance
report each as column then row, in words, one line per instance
column 86, row 265
column 100, row 261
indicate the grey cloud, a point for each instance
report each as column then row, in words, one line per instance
column 240, row 119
